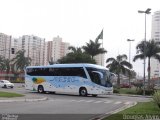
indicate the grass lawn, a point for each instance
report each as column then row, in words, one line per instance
column 141, row 110
column 127, row 91
column 8, row 94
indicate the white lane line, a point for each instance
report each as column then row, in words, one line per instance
column 98, row 101
column 80, row 100
column 107, row 101
column 73, row 100
column 127, row 103
column 117, row 102
column 89, row 101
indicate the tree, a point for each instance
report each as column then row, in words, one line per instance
column 51, row 62
column 5, row 65
column 76, row 56
column 149, row 49
column 20, row 61
column 93, row 48
column 2, row 63
column 119, row 66
column 75, row 50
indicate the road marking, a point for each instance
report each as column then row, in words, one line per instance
column 93, row 101
column 73, row 100
column 118, row 102
column 80, row 100
column 89, row 101
column 98, row 101
column 107, row 101
column 127, row 103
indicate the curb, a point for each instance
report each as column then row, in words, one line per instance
column 114, row 111
column 133, row 95
column 23, row 100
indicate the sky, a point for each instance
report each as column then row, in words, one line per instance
column 78, row 21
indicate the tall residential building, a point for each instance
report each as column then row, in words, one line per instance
column 5, row 45
column 48, row 52
column 34, row 47
column 99, row 59
column 155, row 65
column 56, row 49
column 16, row 45
column 60, row 49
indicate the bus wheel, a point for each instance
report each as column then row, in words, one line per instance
column 40, row 89
column 94, row 95
column 83, row 92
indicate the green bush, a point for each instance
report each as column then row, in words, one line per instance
column 156, row 98
column 18, row 81
column 147, row 92
column 115, row 91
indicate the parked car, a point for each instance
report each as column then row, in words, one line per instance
column 6, row 84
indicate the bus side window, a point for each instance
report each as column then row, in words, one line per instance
column 79, row 72
column 51, row 71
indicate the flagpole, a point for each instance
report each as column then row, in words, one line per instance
column 102, row 53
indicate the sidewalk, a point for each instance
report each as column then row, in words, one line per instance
column 26, row 98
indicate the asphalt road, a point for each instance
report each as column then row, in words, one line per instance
column 64, row 106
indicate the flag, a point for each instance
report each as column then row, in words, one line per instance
column 100, row 36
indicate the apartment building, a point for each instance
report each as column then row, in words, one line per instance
column 155, row 34
column 15, row 47
column 99, row 59
column 34, row 47
column 59, row 48
column 48, row 52
column 56, row 49
column 5, row 45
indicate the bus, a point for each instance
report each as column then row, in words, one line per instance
column 82, row 79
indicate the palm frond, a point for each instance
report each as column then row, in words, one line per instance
column 110, row 60
column 157, row 56
column 140, row 56
column 127, row 64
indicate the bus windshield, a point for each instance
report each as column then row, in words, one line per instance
column 100, row 76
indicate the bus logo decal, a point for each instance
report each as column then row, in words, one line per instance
column 38, row 80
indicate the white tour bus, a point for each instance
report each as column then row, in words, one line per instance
column 82, row 79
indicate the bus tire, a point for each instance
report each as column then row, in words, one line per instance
column 40, row 89
column 53, row 92
column 83, row 91
column 94, row 95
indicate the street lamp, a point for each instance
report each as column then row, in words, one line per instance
column 145, row 12
column 129, row 40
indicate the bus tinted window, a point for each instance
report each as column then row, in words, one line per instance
column 100, row 76
column 94, row 77
column 77, row 71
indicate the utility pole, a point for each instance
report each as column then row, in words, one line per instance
column 129, row 40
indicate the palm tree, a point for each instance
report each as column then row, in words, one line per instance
column 75, row 50
column 20, row 61
column 152, row 50
column 93, row 48
column 5, row 65
column 1, row 63
column 119, row 66
column 76, row 56
column 51, row 62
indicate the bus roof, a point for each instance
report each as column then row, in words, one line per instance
column 70, row 65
